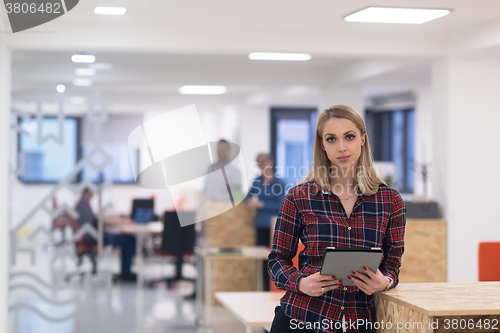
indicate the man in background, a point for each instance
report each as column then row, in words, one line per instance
column 89, row 243
column 266, row 196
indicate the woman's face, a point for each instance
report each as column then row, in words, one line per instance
column 342, row 140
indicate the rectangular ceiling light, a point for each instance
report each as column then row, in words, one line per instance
column 100, row 66
column 279, row 56
column 83, row 58
column 85, row 71
column 82, row 82
column 202, row 90
column 396, row 15
column 110, row 10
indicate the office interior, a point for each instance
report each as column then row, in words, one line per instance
column 440, row 77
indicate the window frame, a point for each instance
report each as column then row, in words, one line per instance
column 78, row 147
column 375, row 137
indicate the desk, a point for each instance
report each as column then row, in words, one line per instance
column 140, row 231
column 434, row 307
column 253, row 309
column 206, row 256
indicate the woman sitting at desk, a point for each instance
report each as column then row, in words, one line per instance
column 343, row 203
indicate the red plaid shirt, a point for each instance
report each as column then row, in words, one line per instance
column 318, row 219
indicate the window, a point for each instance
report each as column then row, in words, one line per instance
column 49, row 161
column 292, row 139
column 113, row 139
column 119, row 168
column 392, row 137
column 52, row 161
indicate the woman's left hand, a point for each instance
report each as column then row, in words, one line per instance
column 372, row 283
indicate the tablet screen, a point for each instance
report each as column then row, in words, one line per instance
column 341, row 261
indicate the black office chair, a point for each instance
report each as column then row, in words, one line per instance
column 177, row 241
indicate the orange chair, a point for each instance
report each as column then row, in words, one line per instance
column 295, row 261
column 489, row 261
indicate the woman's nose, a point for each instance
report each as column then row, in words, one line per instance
column 341, row 146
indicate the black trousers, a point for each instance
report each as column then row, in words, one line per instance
column 264, row 239
column 284, row 324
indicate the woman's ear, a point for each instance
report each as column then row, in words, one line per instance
column 363, row 139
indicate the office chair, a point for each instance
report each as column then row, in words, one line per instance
column 86, row 246
column 177, row 241
column 489, row 261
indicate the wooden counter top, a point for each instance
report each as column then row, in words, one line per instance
column 447, row 298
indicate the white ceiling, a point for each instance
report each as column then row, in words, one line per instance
column 160, row 45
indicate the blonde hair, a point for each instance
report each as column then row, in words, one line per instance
column 368, row 184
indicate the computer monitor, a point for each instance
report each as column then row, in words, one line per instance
column 143, row 210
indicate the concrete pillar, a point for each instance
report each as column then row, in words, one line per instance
column 5, row 105
column 466, row 114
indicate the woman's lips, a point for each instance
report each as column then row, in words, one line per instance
column 343, row 158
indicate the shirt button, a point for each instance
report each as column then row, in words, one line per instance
column 349, row 228
column 341, row 308
column 345, row 288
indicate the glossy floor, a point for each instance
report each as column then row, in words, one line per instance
column 43, row 301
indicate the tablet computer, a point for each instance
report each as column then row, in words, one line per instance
column 341, row 261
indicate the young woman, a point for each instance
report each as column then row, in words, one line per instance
column 342, row 203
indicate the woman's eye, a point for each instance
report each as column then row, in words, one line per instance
column 330, row 139
column 350, row 137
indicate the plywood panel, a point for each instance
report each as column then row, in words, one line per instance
column 232, row 228
column 392, row 317
column 425, row 257
column 447, row 298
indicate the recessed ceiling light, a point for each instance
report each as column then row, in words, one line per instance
column 85, row 71
column 82, row 82
column 77, row 100
column 110, row 10
column 396, row 15
column 100, row 66
column 279, row 56
column 61, row 88
column 202, row 90
column 83, row 58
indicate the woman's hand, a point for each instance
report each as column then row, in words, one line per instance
column 372, row 283
column 317, row 284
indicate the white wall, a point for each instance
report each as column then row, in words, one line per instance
column 424, row 142
column 353, row 97
column 465, row 129
column 5, row 90
column 255, row 135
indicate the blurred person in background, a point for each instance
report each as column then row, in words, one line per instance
column 125, row 242
column 266, row 196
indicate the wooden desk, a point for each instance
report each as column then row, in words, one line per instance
column 140, row 231
column 437, row 307
column 253, row 309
